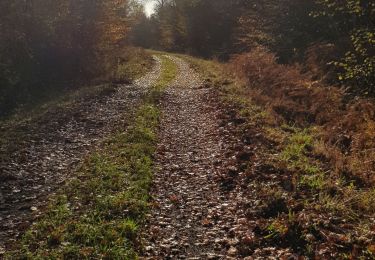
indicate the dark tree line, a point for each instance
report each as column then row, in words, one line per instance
column 44, row 43
column 303, row 31
column 201, row 27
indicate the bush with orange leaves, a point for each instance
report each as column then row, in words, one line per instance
column 346, row 127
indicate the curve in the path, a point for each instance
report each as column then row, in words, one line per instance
column 55, row 144
column 191, row 218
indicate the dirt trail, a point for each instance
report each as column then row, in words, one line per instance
column 53, row 146
column 192, row 217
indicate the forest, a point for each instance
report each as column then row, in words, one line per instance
column 296, row 31
column 56, row 43
column 48, row 41
column 187, row 129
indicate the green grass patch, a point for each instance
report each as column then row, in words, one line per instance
column 297, row 155
column 98, row 213
column 169, row 73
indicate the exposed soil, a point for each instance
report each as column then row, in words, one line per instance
column 192, row 217
column 52, row 145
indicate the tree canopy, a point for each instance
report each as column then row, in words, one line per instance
column 293, row 29
column 45, row 41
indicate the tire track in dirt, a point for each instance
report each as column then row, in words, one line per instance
column 191, row 218
column 54, row 145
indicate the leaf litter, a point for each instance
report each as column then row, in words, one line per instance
column 192, row 217
column 36, row 163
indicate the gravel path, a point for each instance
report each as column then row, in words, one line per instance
column 54, row 145
column 192, row 217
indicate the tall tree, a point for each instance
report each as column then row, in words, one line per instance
column 44, row 41
column 354, row 21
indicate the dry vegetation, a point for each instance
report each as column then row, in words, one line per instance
column 309, row 182
column 345, row 131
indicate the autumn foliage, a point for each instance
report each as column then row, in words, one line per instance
column 347, row 128
column 341, row 33
column 46, row 44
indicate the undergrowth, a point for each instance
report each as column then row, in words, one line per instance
column 132, row 63
column 97, row 214
column 307, row 203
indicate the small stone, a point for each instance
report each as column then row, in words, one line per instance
column 148, row 248
column 213, row 256
column 310, row 237
column 242, row 221
column 232, row 251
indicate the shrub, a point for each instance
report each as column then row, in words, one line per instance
column 346, row 133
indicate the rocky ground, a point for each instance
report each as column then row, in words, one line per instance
column 39, row 154
column 193, row 216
